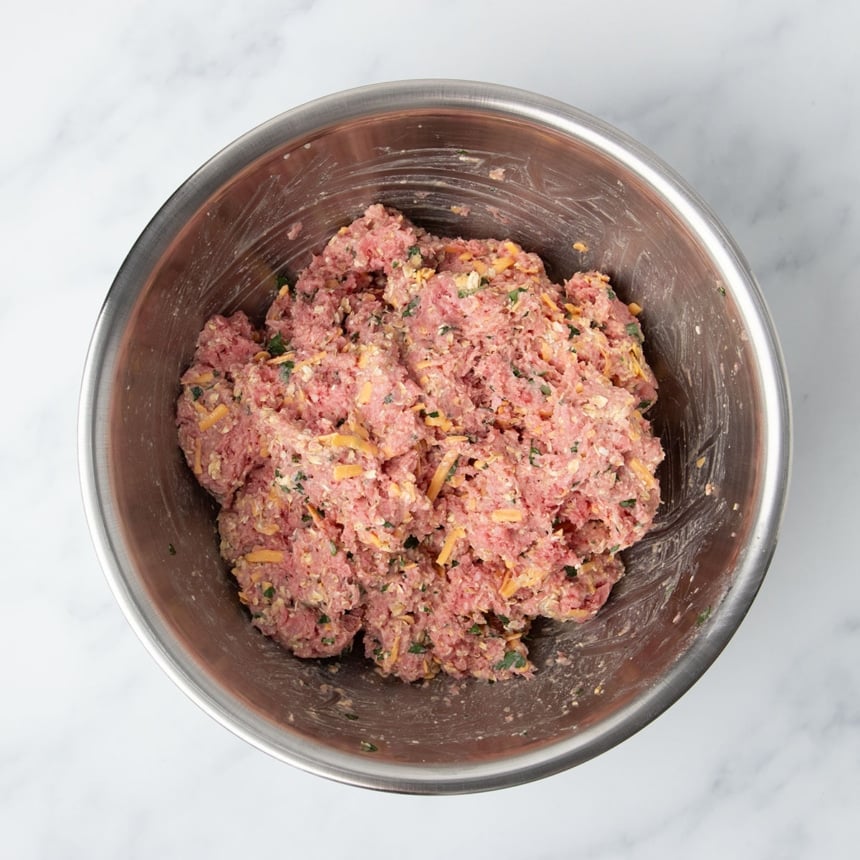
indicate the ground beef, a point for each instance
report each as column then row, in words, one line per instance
column 427, row 442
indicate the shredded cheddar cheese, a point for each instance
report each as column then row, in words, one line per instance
column 354, row 442
column 347, row 470
column 217, row 414
column 364, row 393
column 507, row 515
column 448, row 547
column 264, row 556
column 440, row 474
column 197, row 466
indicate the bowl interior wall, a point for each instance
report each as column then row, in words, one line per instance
column 553, row 192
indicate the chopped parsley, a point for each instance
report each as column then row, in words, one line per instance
column 409, row 310
column 574, row 448
column 571, row 571
column 533, row 452
column 702, row 617
column 611, row 293
column 504, row 619
column 517, row 372
column 433, row 414
column 286, row 370
column 196, row 392
column 444, row 329
column 470, row 291
column 387, row 525
column 269, row 592
column 572, row 331
column 367, row 746
column 475, row 630
column 332, row 546
column 327, row 640
column 389, row 398
column 614, row 549
column 545, row 390
column 627, row 503
column 276, row 345
column 511, row 660
column 643, row 405
column 324, row 619
column 417, row 648
column 452, row 469
column 633, row 331
column 513, row 295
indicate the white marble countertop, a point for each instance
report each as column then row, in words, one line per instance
column 109, row 106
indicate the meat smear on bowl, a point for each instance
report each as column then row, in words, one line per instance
column 429, row 443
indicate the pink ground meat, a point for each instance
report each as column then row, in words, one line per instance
column 427, row 442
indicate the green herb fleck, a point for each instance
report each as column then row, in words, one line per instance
column 433, row 414
column 444, row 329
column 572, row 331
column 351, row 716
column 611, row 293
column 367, row 746
column 514, row 295
column 411, row 542
column 412, row 250
column 545, row 390
column 332, row 547
column 196, row 392
column 276, row 345
column 721, row 290
column 282, row 281
column 389, row 398
column 452, row 469
column 324, row 619
column 409, row 310
column 327, row 640
column 475, row 630
column 454, row 563
column 571, row 571
column 377, row 653
column 511, row 660
column 615, row 549
column 633, row 330
column 574, row 449
column 286, row 370
column 269, row 593
column 417, row 648
column 627, row 503
column 517, row 372
column 702, row 617
column 384, row 587
column 504, row 619
column 171, row 549
column 533, row 452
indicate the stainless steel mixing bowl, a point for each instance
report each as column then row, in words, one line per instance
column 457, row 158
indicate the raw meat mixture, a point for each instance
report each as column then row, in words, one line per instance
column 428, row 443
